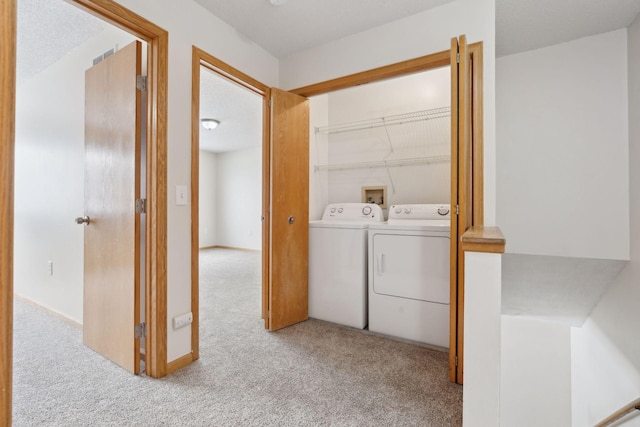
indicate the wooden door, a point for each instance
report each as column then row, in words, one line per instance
column 462, row 193
column 289, row 210
column 112, row 184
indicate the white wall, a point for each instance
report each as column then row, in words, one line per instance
column 569, row 140
column 482, row 340
column 318, row 180
column 190, row 24
column 207, row 199
column 422, row 183
column 535, row 377
column 239, row 199
column 606, row 359
column 562, row 128
column 49, row 179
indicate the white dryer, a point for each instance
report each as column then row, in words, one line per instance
column 409, row 274
column 338, row 263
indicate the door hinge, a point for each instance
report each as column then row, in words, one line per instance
column 456, row 360
column 140, row 330
column 141, row 83
column 141, row 206
column 457, row 58
column 457, row 209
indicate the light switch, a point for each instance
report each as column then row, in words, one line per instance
column 181, row 195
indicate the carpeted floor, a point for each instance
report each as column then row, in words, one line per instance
column 311, row 374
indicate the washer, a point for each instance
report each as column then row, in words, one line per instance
column 409, row 274
column 338, row 263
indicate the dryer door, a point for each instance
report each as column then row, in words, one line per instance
column 411, row 266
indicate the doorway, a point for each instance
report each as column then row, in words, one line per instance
column 156, row 206
column 229, row 187
column 466, row 158
column 53, row 153
column 284, row 212
column 230, row 181
column 229, row 169
column 50, row 139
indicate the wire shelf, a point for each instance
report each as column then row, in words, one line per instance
column 385, row 163
column 397, row 119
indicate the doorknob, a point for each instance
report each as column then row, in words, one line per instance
column 83, row 220
column 291, row 220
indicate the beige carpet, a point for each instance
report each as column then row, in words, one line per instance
column 311, row 374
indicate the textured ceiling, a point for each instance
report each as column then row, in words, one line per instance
column 300, row 24
column 42, row 40
column 523, row 25
column 238, row 110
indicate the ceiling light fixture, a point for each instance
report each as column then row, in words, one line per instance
column 209, row 124
column 277, row 2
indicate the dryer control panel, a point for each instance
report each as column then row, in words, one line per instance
column 420, row 212
column 356, row 212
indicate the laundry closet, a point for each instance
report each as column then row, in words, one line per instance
column 382, row 147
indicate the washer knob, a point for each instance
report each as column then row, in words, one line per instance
column 366, row 210
column 443, row 211
column 398, row 209
column 333, row 210
column 407, row 210
column 340, row 210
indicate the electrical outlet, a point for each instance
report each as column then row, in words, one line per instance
column 182, row 320
column 50, row 268
column 181, row 195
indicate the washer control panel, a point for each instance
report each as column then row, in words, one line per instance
column 356, row 212
column 419, row 212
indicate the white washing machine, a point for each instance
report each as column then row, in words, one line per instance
column 338, row 263
column 409, row 274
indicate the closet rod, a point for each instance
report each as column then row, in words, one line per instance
column 397, row 119
column 385, row 163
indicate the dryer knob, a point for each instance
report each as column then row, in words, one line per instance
column 333, row 210
column 443, row 211
column 366, row 210
column 340, row 210
column 407, row 210
column 398, row 209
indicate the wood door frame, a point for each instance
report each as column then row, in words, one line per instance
column 471, row 205
column 425, row 63
column 8, row 11
column 201, row 58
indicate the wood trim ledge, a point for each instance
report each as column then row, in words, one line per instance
column 483, row 239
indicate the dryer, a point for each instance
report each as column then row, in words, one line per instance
column 338, row 263
column 409, row 274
